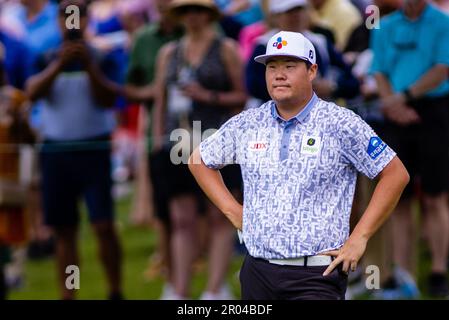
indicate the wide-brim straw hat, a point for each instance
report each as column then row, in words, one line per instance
column 175, row 5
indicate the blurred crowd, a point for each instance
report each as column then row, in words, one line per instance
column 92, row 98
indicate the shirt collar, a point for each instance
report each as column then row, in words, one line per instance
column 301, row 115
column 425, row 14
column 48, row 13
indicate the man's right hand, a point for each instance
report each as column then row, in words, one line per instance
column 70, row 51
column 139, row 94
column 401, row 114
column 395, row 108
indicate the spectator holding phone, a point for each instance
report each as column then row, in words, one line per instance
column 75, row 155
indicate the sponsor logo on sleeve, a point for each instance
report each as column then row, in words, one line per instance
column 375, row 147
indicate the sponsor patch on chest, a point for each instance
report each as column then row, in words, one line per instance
column 257, row 146
column 310, row 144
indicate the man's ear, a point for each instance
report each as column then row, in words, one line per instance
column 312, row 72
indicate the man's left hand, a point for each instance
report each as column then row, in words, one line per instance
column 401, row 114
column 349, row 255
column 394, row 100
column 82, row 52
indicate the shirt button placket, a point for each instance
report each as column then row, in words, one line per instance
column 285, row 140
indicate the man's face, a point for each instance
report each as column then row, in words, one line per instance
column 294, row 20
column 195, row 17
column 413, row 8
column 288, row 79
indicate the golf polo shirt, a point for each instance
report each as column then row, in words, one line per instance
column 299, row 175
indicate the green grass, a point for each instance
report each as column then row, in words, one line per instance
column 137, row 243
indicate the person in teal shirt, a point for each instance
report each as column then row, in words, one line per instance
column 405, row 49
column 411, row 63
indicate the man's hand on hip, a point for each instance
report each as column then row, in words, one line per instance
column 349, row 255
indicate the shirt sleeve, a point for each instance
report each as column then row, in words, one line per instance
column 113, row 65
column 362, row 147
column 135, row 71
column 377, row 44
column 442, row 47
column 38, row 62
column 220, row 149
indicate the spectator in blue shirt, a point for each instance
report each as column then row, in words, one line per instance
column 75, row 156
column 411, row 61
column 39, row 19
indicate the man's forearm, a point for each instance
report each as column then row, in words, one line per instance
column 140, row 94
column 105, row 91
column 429, row 81
column 383, row 85
column 387, row 193
column 158, row 119
column 213, row 186
column 39, row 85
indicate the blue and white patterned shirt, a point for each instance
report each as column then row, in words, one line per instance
column 299, row 175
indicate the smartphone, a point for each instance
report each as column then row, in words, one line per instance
column 74, row 34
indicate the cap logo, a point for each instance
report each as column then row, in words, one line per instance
column 310, row 54
column 279, row 43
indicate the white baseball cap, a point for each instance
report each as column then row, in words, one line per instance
column 289, row 44
column 280, row 6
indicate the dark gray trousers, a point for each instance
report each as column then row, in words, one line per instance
column 261, row 280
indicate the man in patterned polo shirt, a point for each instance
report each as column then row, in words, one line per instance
column 299, row 157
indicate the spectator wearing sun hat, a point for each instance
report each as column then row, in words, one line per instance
column 199, row 78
